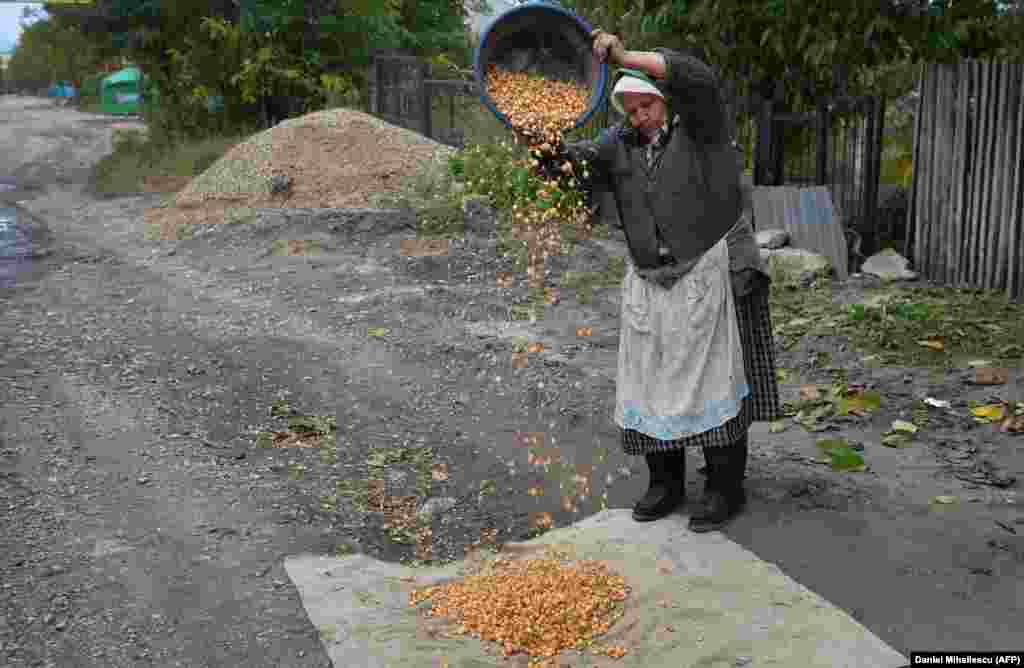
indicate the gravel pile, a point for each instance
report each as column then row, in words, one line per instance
column 337, row 158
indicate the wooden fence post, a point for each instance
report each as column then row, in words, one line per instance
column 821, row 168
column 425, row 100
column 871, row 173
column 379, row 92
column 763, row 147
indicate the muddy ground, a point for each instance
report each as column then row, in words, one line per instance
column 147, row 505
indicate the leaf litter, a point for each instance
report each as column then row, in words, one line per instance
column 907, row 326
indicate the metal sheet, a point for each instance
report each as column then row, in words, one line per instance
column 808, row 216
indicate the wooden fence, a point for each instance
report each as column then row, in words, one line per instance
column 966, row 209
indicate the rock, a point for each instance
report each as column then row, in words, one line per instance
column 378, row 222
column 435, row 506
column 806, row 279
column 889, row 265
column 772, row 238
column 796, row 265
column 479, row 217
column 280, row 184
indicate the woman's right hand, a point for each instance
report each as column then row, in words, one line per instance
column 608, row 48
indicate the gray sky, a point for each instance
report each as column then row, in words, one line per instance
column 10, row 18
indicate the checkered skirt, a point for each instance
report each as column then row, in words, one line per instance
column 761, row 405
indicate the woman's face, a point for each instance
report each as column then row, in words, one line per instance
column 646, row 111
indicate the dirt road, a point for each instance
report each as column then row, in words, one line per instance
column 145, row 520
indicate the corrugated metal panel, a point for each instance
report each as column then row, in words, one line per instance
column 809, row 217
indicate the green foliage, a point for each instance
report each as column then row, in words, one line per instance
column 51, row 50
column 498, row 171
column 806, row 39
column 310, row 51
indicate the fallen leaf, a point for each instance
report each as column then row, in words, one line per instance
column 937, row 403
column 944, row 500
column 535, row 491
column 551, row 296
column 904, row 427
column 535, row 348
column 937, row 346
column 843, row 457
column 895, row 440
column 439, row 472
column 809, row 393
column 991, row 376
column 376, row 332
column 990, row 413
column 504, row 280
column 584, row 331
column 520, row 361
column 859, row 404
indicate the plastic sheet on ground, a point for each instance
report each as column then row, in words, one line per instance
column 725, row 606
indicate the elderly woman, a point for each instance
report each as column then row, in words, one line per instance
column 696, row 363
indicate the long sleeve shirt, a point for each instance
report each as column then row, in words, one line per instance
column 689, row 196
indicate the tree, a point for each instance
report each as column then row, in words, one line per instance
column 52, row 50
column 814, row 47
column 287, row 52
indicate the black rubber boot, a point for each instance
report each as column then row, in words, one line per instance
column 724, row 496
column 666, row 487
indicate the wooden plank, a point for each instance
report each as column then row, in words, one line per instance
column 987, row 168
column 425, row 101
column 991, row 173
column 940, row 174
column 949, row 222
column 796, row 118
column 1006, row 139
column 995, row 264
column 1015, row 205
column 959, row 167
column 931, row 165
column 925, row 199
column 1013, row 157
column 974, row 240
column 911, row 242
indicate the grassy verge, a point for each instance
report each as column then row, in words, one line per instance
column 919, row 327
column 136, row 162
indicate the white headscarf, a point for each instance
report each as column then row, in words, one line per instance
column 630, row 84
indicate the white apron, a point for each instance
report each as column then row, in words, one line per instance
column 681, row 367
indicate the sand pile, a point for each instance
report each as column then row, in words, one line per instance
column 331, row 159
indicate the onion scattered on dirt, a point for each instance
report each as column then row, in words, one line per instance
column 536, row 606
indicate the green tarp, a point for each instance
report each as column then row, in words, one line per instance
column 121, row 92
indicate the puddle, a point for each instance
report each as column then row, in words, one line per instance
column 15, row 245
